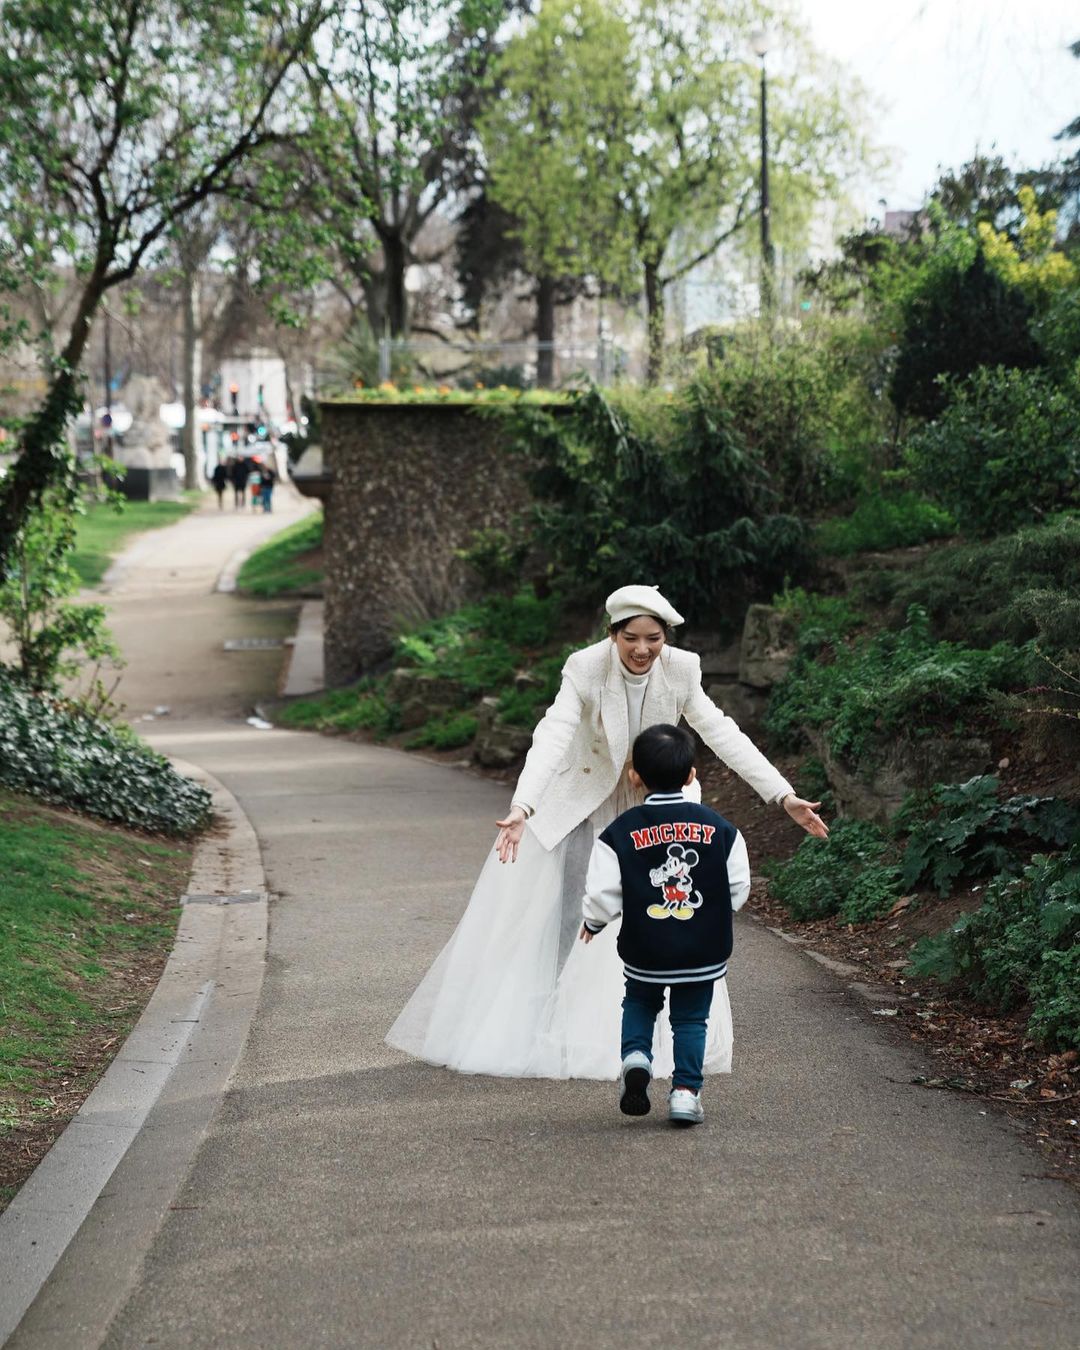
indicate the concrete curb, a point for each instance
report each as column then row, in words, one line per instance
column 843, row 970
column 73, row 1238
column 226, row 582
column 305, row 673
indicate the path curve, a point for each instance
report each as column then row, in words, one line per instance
column 347, row 1197
column 63, row 1225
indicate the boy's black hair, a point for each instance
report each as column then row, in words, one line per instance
column 663, row 757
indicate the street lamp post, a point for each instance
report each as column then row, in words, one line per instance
column 768, row 258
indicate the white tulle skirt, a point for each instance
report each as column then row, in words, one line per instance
column 515, row 993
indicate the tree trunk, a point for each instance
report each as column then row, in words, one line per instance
column 188, row 438
column 396, row 260
column 545, row 332
column 292, row 408
column 43, row 459
column 654, row 318
column 374, row 304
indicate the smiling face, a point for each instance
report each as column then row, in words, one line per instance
column 639, row 642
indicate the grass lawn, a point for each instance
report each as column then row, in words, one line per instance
column 351, row 709
column 102, row 533
column 291, row 561
column 88, row 915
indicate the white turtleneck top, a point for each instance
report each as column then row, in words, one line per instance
column 635, row 698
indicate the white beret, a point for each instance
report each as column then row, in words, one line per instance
column 629, row 601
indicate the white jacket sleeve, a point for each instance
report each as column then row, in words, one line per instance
column 723, row 737
column 738, row 870
column 551, row 740
column 603, row 888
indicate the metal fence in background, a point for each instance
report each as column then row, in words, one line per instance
column 517, row 365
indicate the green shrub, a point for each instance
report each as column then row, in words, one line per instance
column 1055, row 997
column 880, row 521
column 1023, row 585
column 1058, row 332
column 851, row 874
column 812, row 783
column 56, row 639
column 524, row 707
column 808, row 403
column 958, row 317
column 54, row 751
column 360, row 707
column 444, row 733
column 693, row 510
column 481, row 645
column 821, row 619
column 481, row 648
column 866, row 692
column 964, row 830
column 496, row 557
column 1005, row 452
column 1022, row 945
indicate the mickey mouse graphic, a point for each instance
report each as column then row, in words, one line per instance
column 676, row 885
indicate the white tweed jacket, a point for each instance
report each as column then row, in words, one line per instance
column 582, row 742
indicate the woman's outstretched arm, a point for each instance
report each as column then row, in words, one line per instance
column 551, row 740
column 723, row 737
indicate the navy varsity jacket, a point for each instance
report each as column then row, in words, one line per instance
column 675, row 870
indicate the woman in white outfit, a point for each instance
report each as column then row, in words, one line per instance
column 511, row 992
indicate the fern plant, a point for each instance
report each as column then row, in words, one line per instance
column 969, row 832
column 1021, row 946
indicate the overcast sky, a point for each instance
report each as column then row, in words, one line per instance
column 953, row 76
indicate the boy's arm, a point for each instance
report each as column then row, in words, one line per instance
column 603, row 889
column 738, row 870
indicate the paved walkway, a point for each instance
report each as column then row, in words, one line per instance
column 348, row 1197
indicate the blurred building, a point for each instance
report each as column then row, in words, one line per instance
column 257, row 378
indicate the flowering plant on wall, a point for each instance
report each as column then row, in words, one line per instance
column 389, row 392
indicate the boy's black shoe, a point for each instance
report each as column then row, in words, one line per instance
column 635, row 1079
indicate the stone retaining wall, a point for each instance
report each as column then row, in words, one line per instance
column 408, row 486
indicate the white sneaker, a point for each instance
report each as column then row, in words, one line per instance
column 684, row 1107
column 634, row 1084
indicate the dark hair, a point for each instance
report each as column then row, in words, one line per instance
column 618, row 627
column 663, row 757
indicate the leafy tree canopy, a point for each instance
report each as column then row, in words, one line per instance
column 556, row 137
column 1033, row 262
column 396, row 86
column 627, row 136
column 117, row 120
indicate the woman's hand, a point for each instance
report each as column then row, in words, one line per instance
column 805, row 814
column 510, row 831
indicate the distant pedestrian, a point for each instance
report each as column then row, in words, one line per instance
column 267, row 479
column 255, row 483
column 219, row 478
column 642, row 870
column 239, row 481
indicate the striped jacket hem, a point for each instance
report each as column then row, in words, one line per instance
column 717, row 971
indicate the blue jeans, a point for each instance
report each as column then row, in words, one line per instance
column 689, row 1011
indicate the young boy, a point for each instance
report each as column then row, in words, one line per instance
column 676, row 871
